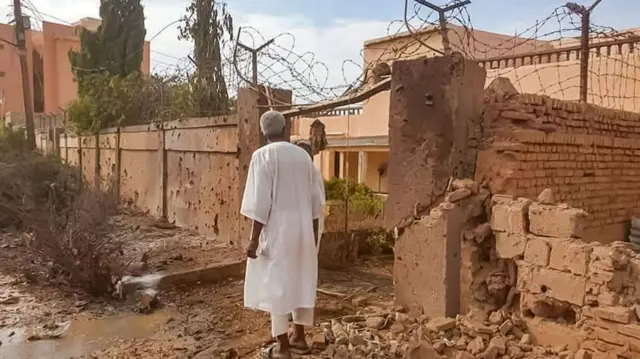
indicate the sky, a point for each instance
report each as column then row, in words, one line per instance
column 328, row 32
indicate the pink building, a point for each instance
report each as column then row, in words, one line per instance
column 53, row 85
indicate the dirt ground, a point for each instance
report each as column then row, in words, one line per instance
column 31, row 294
column 211, row 320
column 188, row 323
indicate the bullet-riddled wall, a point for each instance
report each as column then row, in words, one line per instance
column 190, row 172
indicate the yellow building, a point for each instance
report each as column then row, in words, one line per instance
column 358, row 135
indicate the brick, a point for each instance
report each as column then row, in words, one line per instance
column 570, row 256
column 525, row 275
column 608, row 336
column 510, row 216
column 510, row 245
column 441, row 324
column 556, row 221
column 630, row 330
column 562, row 286
column 622, row 315
column 518, row 116
column 537, row 251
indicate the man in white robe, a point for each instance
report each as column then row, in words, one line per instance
column 283, row 200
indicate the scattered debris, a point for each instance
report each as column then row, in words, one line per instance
column 330, row 293
column 49, row 331
column 10, row 300
column 148, row 301
column 462, row 337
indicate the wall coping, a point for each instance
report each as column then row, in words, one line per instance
column 589, row 111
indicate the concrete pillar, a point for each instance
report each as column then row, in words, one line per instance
column 426, row 275
column 343, row 165
column 251, row 104
column 362, row 166
column 433, row 104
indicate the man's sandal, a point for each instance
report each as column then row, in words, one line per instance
column 299, row 350
column 267, row 353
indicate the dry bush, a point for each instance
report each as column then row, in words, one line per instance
column 68, row 220
column 27, row 182
column 77, row 240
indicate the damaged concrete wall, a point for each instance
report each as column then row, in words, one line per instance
column 588, row 155
column 190, row 172
column 202, row 175
column 186, row 171
column 433, row 103
column 428, row 275
column 567, row 286
column 141, row 168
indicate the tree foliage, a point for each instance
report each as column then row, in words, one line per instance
column 207, row 23
column 107, row 66
column 116, row 48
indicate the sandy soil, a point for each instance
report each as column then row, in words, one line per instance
column 200, row 321
column 169, row 249
column 30, row 293
column 211, row 320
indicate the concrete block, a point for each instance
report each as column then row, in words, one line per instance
column 510, row 245
column 622, row 315
column 558, row 285
column 510, row 216
column 570, row 256
column 427, row 266
column 556, row 221
column 537, row 251
column 525, row 274
column 630, row 330
column 550, row 334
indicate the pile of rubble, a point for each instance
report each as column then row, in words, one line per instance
column 396, row 335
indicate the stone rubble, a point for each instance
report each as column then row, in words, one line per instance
column 525, row 266
column 477, row 335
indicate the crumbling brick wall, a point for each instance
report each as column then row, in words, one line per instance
column 587, row 154
column 564, row 282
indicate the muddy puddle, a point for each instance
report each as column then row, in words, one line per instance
column 83, row 336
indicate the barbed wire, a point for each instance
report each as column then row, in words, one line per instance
column 542, row 58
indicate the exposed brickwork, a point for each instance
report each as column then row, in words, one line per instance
column 592, row 289
column 587, row 154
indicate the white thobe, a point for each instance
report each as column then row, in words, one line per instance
column 320, row 184
column 282, row 193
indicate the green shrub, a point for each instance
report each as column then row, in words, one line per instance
column 361, row 198
column 110, row 101
column 11, row 141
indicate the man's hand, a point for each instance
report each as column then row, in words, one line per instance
column 315, row 231
column 252, row 248
column 254, row 242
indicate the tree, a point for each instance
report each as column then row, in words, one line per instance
column 206, row 24
column 116, row 48
column 107, row 67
